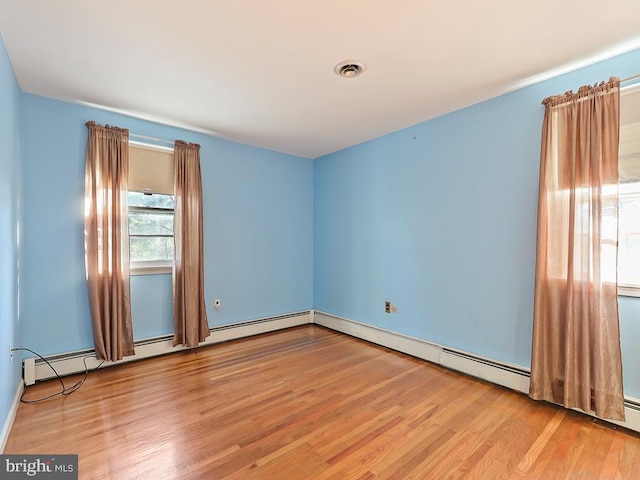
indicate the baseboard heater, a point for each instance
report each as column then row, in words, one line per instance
column 497, row 372
column 632, row 404
column 479, row 362
column 35, row 369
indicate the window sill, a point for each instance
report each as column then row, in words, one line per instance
column 150, row 269
column 628, row 291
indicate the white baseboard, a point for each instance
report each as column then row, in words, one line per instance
column 632, row 422
column 6, row 429
column 256, row 327
column 510, row 376
column 402, row 343
column 70, row 363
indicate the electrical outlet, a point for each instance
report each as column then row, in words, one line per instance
column 387, row 307
column 216, row 303
column 10, row 351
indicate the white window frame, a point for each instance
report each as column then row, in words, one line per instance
column 628, row 291
column 150, row 267
column 623, row 289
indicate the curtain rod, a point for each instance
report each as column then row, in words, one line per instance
column 153, row 139
column 628, row 79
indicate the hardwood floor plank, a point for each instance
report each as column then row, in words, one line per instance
column 531, row 459
column 629, row 452
column 636, row 462
column 525, row 431
column 567, row 455
column 405, row 466
column 309, row 403
column 600, row 453
column 489, row 435
column 613, row 458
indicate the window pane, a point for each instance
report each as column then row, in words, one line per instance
column 629, row 260
column 150, row 223
column 629, row 236
column 150, row 248
column 629, row 215
column 156, row 200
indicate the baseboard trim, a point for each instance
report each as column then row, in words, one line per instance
column 632, row 416
column 507, row 375
column 73, row 362
column 8, row 424
column 386, row 338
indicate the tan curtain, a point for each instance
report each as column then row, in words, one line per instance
column 106, row 240
column 576, row 359
column 189, row 312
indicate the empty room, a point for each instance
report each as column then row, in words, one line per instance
column 330, row 240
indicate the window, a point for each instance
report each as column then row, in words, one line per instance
column 150, row 229
column 151, row 208
column 629, row 193
column 629, row 237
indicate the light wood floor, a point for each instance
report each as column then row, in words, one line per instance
column 309, row 403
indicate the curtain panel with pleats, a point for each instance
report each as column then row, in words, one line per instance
column 576, row 357
column 106, row 240
column 189, row 311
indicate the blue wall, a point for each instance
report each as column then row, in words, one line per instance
column 258, row 209
column 10, row 97
column 440, row 219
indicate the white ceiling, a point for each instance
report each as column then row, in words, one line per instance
column 261, row 71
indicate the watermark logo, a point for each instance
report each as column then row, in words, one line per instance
column 51, row 467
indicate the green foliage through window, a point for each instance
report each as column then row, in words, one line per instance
column 150, row 227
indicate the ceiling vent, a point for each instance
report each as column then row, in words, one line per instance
column 350, row 68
